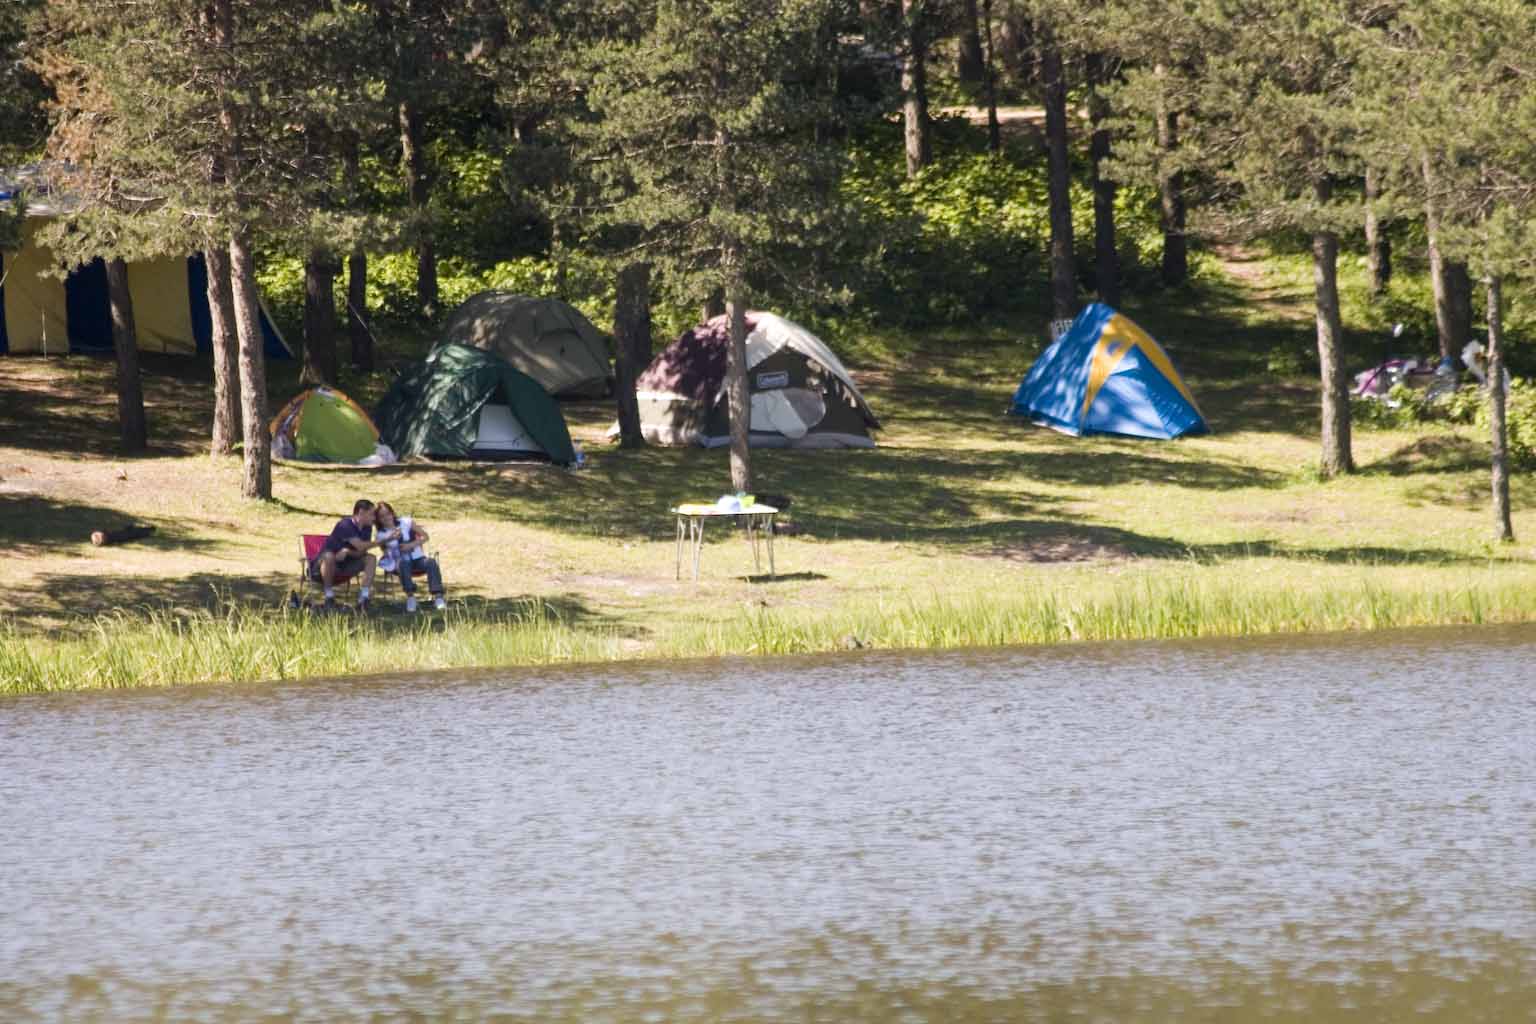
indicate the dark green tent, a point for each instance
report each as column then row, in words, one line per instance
column 463, row 403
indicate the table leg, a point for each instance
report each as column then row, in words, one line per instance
column 757, row 564
column 698, row 546
column 772, row 572
column 677, row 569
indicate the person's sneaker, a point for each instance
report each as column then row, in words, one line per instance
column 362, row 606
column 330, row 606
column 439, row 603
column 410, row 603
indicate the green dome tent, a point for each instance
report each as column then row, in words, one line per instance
column 323, row 425
column 462, row 403
column 547, row 339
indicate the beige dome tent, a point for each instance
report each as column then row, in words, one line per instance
column 547, row 339
column 801, row 395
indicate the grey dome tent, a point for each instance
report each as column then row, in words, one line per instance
column 462, row 403
column 547, row 339
column 801, row 394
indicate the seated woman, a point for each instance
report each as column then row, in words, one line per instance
column 405, row 552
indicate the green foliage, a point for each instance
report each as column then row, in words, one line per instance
column 1410, row 407
column 969, row 234
column 1519, row 417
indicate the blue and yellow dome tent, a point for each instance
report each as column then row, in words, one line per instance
column 1106, row 375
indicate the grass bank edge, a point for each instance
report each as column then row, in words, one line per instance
column 241, row 643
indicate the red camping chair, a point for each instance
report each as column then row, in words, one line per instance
column 310, row 545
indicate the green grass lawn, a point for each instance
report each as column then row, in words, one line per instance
column 963, row 526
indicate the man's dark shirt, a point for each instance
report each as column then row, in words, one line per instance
column 346, row 530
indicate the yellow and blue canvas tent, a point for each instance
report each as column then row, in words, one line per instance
column 47, row 314
column 1106, row 375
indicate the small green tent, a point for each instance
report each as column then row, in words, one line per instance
column 323, row 425
column 463, row 403
column 545, row 338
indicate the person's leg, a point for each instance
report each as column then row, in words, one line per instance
column 327, row 564
column 370, row 563
column 434, row 576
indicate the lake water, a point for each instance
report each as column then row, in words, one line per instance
column 1308, row 829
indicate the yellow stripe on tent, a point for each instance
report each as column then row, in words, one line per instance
column 1154, row 352
column 1116, row 340
column 1112, row 347
column 162, row 314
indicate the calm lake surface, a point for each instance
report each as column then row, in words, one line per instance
column 1296, row 830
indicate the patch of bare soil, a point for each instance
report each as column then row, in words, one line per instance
column 1057, row 549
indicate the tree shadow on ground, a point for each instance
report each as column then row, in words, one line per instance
column 871, row 493
column 70, row 404
column 34, row 525
column 1050, row 541
column 86, row 595
column 1438, row 453
column 83, row 597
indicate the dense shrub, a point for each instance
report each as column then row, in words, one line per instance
column 1407, row 407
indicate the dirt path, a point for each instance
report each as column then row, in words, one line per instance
column 1246, row 267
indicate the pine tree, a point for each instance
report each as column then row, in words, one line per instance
column 1451, row 90
column 180, row 118
column 704, row 140
column 1274, row 133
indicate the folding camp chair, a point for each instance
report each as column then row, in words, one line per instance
column 310, row 545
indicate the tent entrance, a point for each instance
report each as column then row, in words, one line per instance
column 501, row 435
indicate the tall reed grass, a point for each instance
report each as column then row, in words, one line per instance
column 243, row 643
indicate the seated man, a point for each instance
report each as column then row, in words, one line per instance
column 344, row 551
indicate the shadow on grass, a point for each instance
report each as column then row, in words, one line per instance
column 86, row 595
column 83, row 597
column 935, row 494
column 763, row 579
column 1439, row 453
column 33, row 525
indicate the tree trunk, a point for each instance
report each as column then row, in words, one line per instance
column 994, row 130
column 125, row 342
column 1063, row 263
column 1106, row 254
column 319, row 319
column 1175, row 268
column 221, row 315
column 357, row 304
column 1378, row 247
column 970, row 68
column 714, row 305
column 413, row 160
column 1502, row 525
column 914, row 87
column 736, row 383
column 358, row 335
column 257, row 481
column 1458, row 286
column 1336, row 458
column 1450, row 282
column 226, row 347
column 632, row 347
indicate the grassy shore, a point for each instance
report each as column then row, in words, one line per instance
column 964, row 527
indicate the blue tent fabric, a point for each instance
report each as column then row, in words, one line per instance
column 1106, row 375
column 202, row 320
column 89, row 311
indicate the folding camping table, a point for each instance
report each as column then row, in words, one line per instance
column 758, row 519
